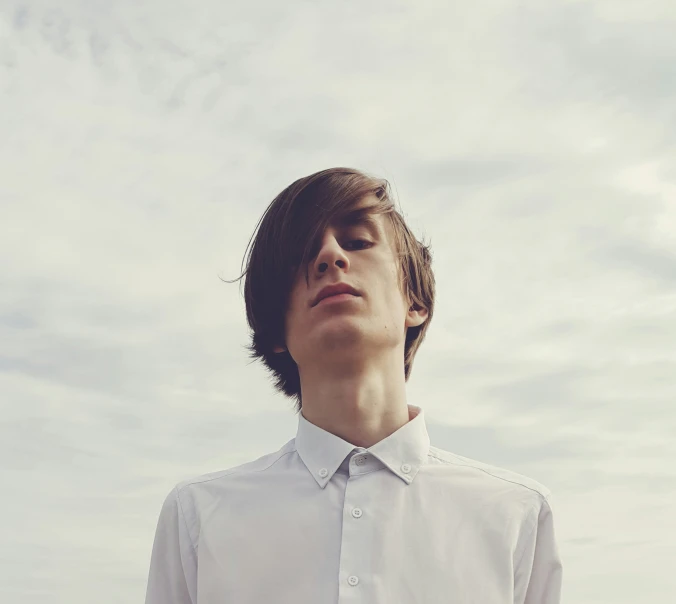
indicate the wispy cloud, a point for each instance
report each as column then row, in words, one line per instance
column 532, row 143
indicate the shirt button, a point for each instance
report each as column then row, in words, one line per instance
column 360, row 461
column 352, row 580
column 405, row 468
column 323, row 472
column 357, row 512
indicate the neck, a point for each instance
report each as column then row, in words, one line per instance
column 362, row 405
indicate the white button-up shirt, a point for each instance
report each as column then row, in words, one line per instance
column 321, row 521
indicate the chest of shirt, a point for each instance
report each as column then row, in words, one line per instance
column 372, row 539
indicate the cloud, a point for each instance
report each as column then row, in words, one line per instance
column 645, row 260
column 531, row 143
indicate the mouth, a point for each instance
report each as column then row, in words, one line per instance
column 336, row 290
column 336, row 298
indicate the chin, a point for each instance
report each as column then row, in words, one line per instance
column 337, row 336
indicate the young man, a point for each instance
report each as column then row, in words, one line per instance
column 358, row 507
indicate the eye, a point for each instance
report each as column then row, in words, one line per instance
column 360, row 241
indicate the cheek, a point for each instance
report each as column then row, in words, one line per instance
column 396, row 280
column 293, row 311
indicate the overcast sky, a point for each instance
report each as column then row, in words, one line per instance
column 532, row 143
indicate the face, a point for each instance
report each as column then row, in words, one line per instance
column 353, row 327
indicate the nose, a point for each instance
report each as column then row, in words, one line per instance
column 330, row 255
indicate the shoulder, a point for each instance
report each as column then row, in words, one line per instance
column 189, row 498
column 218, row 480
column 482, row 476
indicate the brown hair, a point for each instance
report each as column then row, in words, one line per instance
column 287, row 233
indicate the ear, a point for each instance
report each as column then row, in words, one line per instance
column 416, row 316
column 278, row 349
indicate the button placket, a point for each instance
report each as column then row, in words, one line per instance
column 357, row 513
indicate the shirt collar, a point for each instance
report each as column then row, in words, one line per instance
column 402, row 452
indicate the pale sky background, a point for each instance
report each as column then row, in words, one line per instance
column 532, row 143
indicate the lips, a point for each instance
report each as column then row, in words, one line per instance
column 334, row 290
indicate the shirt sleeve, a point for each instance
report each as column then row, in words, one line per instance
column 538, row 574
column 172, row 578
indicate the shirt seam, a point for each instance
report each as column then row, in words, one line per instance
column 527, row 540
column 185, row 523
column 201, row 480
column 465, row 465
